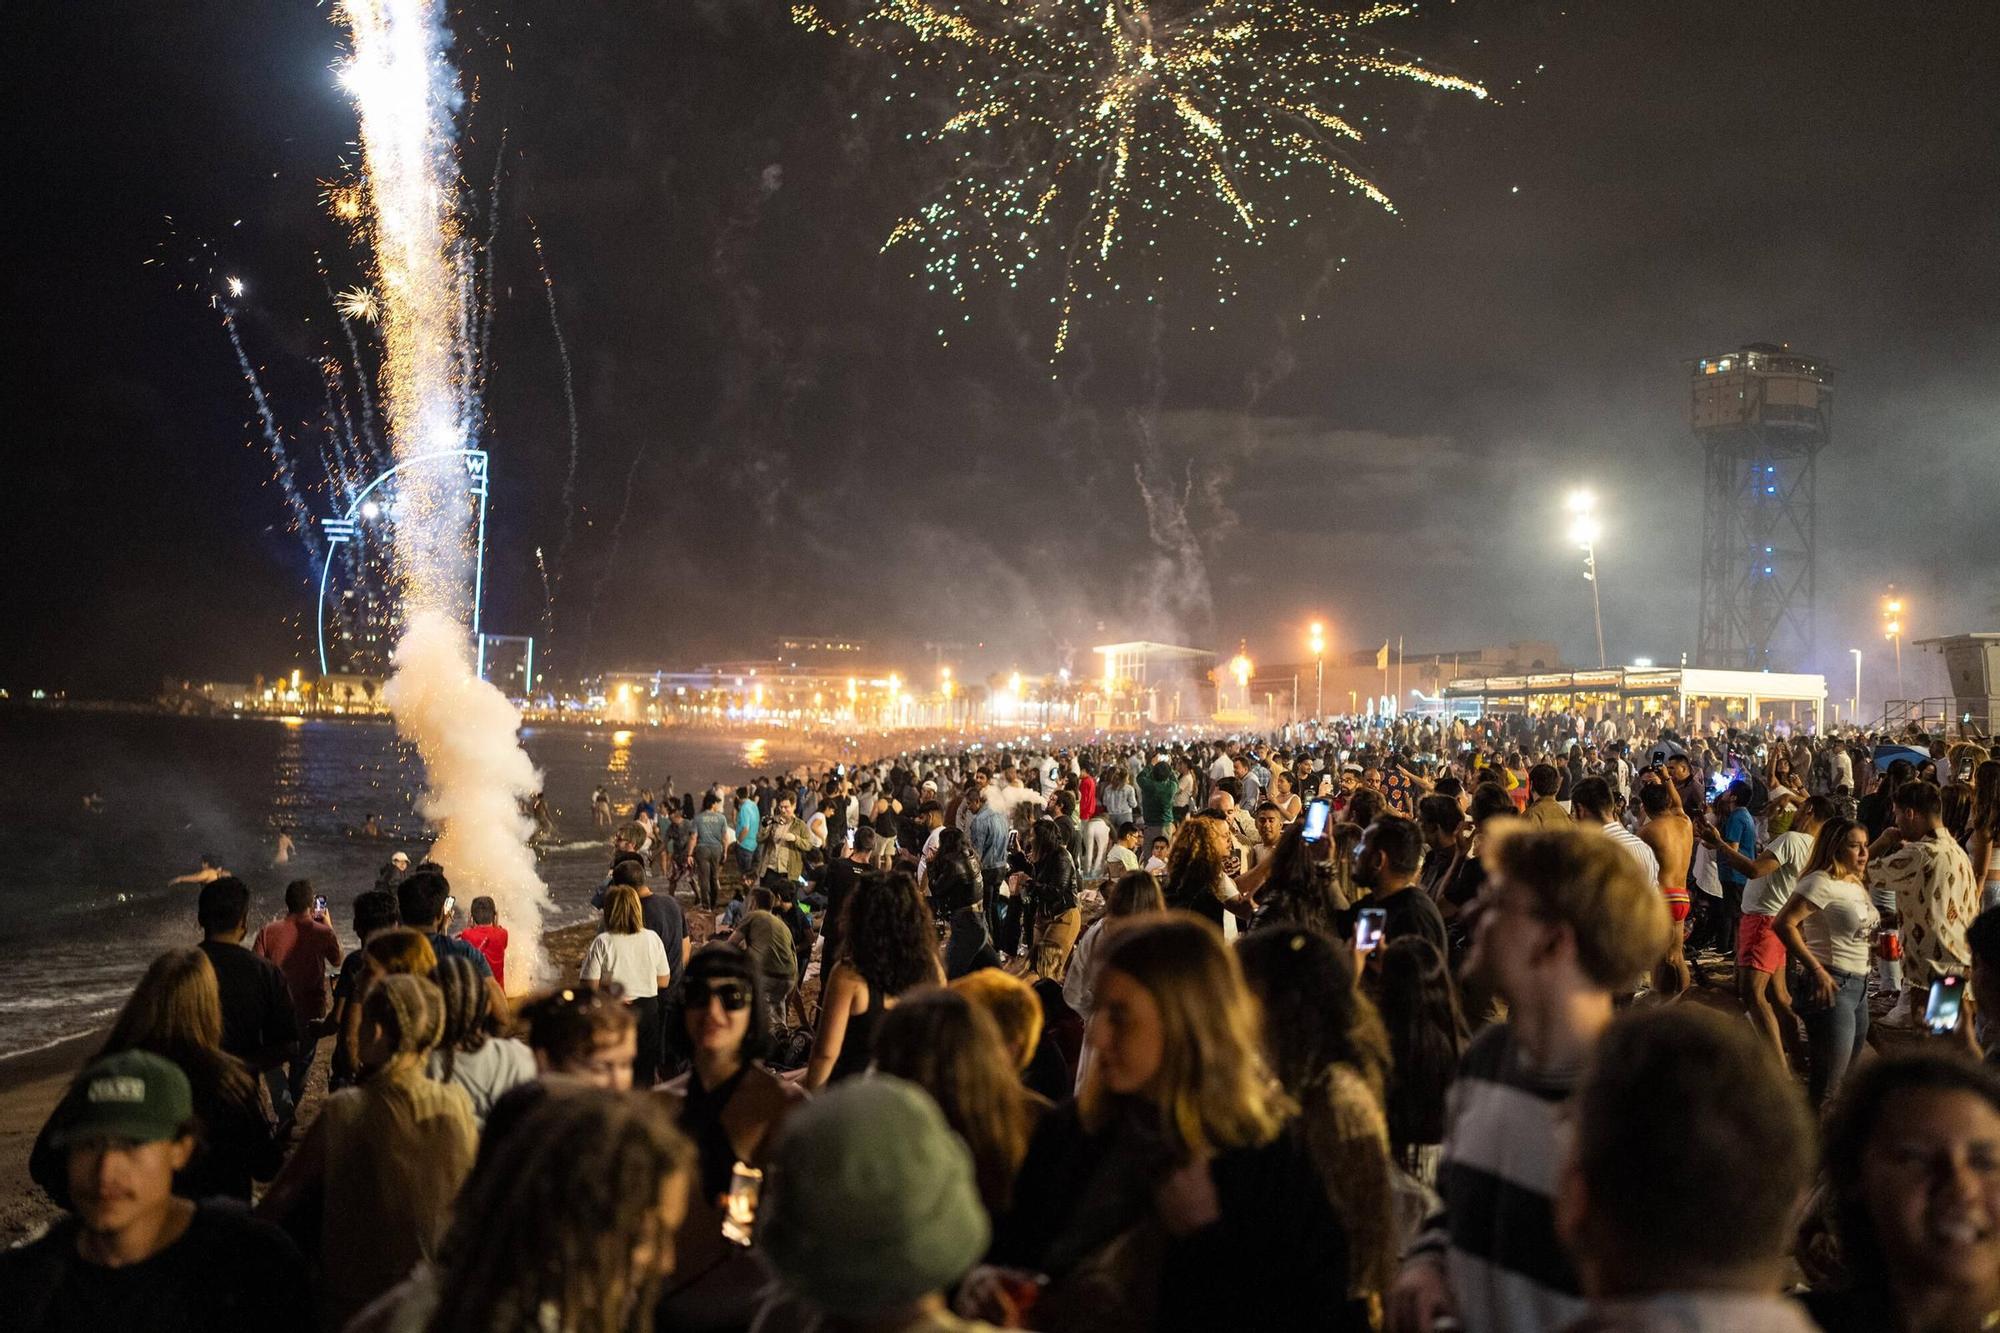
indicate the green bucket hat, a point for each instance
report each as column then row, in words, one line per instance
column 871, row 1201
column 133, row 1095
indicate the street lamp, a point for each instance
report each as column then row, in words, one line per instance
column 1892, row 630
column 1584, row 530
column 1316, row 640
column 1854, row 704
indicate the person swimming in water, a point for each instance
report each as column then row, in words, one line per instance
column 211, row 869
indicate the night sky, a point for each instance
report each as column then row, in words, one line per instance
column 1652, row 182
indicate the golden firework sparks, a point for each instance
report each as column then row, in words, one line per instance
column 1115, row 120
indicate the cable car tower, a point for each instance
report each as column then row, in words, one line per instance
column 1761, row 414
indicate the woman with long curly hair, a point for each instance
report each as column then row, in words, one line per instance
column 176, row 1012
column 1197, row 878
column 1176, row 1193
column 568, row 1224
column 890, row 946
column 1326, row 1045
column 952, row 1049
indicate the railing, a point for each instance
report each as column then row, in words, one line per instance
column 1931, row 716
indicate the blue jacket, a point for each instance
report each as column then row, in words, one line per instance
column 989, row 838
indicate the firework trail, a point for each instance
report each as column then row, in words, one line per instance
column 406, row 93
column 548, row 596
column 274, row 442
column 569, row 404
column 1082, row 131
column 358, row 303
column 490, row 252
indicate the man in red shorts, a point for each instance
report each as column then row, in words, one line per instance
column 1760, row 955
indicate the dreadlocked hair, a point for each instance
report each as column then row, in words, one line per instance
column 468, row 1009
column 551, row 1218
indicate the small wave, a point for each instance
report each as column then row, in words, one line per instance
column 31, row 1004
column 86, row 1022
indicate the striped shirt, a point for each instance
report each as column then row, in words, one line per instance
column 1496, row 1233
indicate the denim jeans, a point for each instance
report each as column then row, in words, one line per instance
column 1835, row 1033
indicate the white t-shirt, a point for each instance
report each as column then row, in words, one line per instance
column 636, row 962
column 1769, row 894
column 1840, row 931
column 1636, row 848
column 1121, row 856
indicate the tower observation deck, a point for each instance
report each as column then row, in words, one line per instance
column 1761, row 414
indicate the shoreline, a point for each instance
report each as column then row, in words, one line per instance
column 32, row 1082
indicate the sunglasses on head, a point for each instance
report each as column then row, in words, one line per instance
column 733, row 995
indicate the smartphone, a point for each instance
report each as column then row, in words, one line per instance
column 739, row 1214
column 1368, row 928
column 450, row 904
column 1947, row 1000
column 319, row 904
column 1317, row 816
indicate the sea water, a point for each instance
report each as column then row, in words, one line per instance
column 85, row 902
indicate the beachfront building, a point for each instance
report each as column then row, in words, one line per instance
column 1695, row 695
column 1141, row 684
column 1381, row 681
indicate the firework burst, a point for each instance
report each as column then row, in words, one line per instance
column 358, row 303
column 1080, row 131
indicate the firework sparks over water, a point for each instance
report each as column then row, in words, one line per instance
column 1080, row 131
column 406, row 93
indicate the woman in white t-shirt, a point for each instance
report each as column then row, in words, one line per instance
column 1828, row 928
column 633, row 958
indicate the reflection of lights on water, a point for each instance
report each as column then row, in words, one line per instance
column 621, row 738
column 754, row 752
column 292, row 720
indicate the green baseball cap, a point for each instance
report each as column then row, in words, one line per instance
column 871, row 1201
column 133, row 1095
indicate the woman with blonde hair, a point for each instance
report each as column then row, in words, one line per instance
column 376, row 1174
column 634, row 958
column 1176, row 1193
column 400, row 952
column 176, row 1012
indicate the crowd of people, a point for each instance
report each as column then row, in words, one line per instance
column 1416, row 1024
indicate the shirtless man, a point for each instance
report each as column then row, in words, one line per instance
column 211, row 869
column 1670, row 835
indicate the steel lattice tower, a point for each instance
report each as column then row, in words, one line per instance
column 1762, row 415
